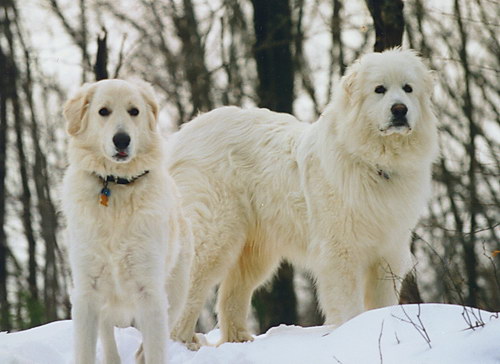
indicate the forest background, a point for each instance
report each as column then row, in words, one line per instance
column 285, row 55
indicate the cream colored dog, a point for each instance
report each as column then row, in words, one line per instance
column 130, row 247
column 338, row 197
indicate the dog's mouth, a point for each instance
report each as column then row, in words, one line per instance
column 399, row 121
column 398, row 125
column 121, row 155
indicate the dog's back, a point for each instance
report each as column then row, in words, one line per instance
column 240, row 165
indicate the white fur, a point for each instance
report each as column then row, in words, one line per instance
column 126, row 256
column 338, row 197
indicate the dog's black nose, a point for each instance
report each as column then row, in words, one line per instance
column 399, row 110
column 121, row 140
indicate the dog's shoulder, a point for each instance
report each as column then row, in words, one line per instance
column 78, row 186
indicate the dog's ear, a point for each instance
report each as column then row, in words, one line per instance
column 429, row 81
column 149, row 95
column 349, row 80
column 75, row 109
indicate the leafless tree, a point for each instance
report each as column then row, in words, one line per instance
column 462, row 226
column 273, row 55
column 5, row 322
column 37, row 213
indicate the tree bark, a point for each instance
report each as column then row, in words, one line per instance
column 389, row 23
column 238, row 31
column 46, row 210
column 272, row 51
column 5, row 323
column 193, row 52
column 273, row 39
column 470, row 256
column 277, row 304
column 101, row 61
column 336, row 29
column 300, row 64
column 19, row 126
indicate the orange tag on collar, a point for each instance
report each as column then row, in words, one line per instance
column 105, row 193
column 104, row 200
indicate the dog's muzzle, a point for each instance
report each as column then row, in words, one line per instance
column 121, row 141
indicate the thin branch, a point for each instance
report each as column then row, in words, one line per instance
column 380, row 343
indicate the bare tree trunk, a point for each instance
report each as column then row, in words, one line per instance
column 101, row 61
column 82, row 40
column 337, row 49
column 300, row 64
column 470, row 257
column 235, row 18
column 389, row 23
column 277, row 304
column 336, row 27
column 193, row 52
column 272, row 24
column 45, row 206
column 19, row 125
column 5, row 323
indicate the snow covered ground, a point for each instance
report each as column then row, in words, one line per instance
column 426, row 334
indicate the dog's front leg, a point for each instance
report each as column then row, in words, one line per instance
column 107, row 333
column 152, row 322
column 340, row 287
column 85, row 322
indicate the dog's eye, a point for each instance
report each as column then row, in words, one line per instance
column 104, row 111
column 380, row 89
column 133, row 111
column 407, row 88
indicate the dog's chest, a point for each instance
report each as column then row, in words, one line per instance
column 120, row 267
column 116, row 245
column 117, row 281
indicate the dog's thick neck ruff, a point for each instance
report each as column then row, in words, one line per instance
column 106, row 192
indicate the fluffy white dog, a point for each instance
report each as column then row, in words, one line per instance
column 129, row 244
column 338, row 197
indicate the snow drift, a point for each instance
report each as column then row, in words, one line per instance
column 410, row 334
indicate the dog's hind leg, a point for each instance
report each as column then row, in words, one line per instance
column 106, row 330
column 177, row 285
column 198, row 291
column 205, row 273
column 216, row 252
column 252, row 269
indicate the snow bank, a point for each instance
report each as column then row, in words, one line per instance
column 411, row 334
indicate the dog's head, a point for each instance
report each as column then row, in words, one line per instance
column 391, row 89
column 114, row 117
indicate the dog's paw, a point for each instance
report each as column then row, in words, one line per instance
column 196, row 342
column 193, row 346
column 236, row 336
